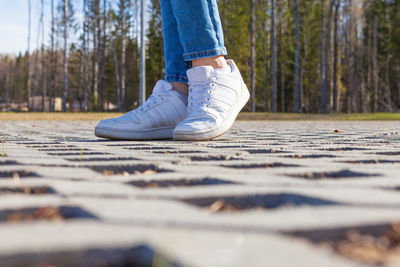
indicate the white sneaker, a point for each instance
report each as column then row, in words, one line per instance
column 155, row 119
column 215, row 99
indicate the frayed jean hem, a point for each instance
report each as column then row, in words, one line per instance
column 176, row 78
column 219, row 51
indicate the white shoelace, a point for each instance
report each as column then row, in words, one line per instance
column 154, row 99
column 199, row 97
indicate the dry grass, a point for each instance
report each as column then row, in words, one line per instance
column 55, row 116
column 319, row 117
column 245, row 116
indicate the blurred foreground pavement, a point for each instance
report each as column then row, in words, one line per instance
column 266, row 194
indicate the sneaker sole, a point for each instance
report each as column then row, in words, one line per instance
column 214, row 133
column 150, row 134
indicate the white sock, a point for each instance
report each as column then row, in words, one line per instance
column 227, row 69
column 183, row 97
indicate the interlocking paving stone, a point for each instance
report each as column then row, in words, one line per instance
column 17, row 173
column 265, row 194
column 27, row 190
column 43, row 213
column 181, row 182
column 136, row 256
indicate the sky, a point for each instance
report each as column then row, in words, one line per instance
column 14, row 23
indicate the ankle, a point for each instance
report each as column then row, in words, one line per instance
column 180, row 87
column 218, row 62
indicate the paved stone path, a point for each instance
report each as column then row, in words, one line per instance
column 266, row 194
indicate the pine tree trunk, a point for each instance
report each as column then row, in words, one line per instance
column 265, row 78
column 273, row 57
column 369, row 57
column 96, row 56
column 350, row 56
column 81, row 74
column 326, row 54
column 388, row 92
column 36, row 78
column 65, row 64
column 86, row 55
column 297, row 59
column 52, row 60
column 44, row 85
column 335, row 57
column 301, row 91
column 363, row 100
column 282, row 55
column 117, row 77
column 388, row 102
column 142, row 82
column 103, row 38
column 29, row 79
column 123, row 55
column 321, row 47
column 375, row 63
column 266, row 68
column 304, row 105
column 253, row 54
column 7, row 86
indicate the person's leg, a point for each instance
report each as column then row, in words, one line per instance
column 217, row 92
column 200, row 32
column 175, row 65
column 167, row 106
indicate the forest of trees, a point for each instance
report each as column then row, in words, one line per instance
column 305, row 56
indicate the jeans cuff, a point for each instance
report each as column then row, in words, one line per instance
column 176, row 78
column 219, row 51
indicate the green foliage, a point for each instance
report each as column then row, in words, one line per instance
column 354, row 65
column 155, row 48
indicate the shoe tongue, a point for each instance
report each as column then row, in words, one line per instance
column 162, row 87
column 200, row 74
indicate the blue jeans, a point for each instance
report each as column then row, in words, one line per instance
column 192, row 29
